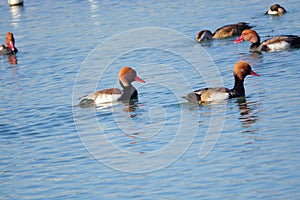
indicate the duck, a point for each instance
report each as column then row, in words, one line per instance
column 282, row 42
column 127, row 75
column 240, row 71
column 223, row 32
column 275, row 9
column 9, row 46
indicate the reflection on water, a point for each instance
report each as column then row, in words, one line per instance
column 45, row 154
column 10, row 74
column 12, row 59
column 16, row 14
column 102, row 106
column 94, row 15
column 129, row 106
column 247, row 113
column 252, row 58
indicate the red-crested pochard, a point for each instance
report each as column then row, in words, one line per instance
column 126, row 76
column 240, row 71
column 223, row 32
column 276, row 9
column 9, row 46
column 282, row 42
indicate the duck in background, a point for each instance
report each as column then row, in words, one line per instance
column 282, row 42
column 9, row 46
column 126, row 76
column 276, row 9
column 223, row 32
column 240, row 71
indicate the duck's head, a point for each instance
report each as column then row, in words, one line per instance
column 204, row 35
column 10, row 41
column 248, row 35
column 276, row 9
column 243, row 69
column 127, row 75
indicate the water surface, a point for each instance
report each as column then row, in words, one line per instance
column 43, row 156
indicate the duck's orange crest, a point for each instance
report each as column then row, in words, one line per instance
column 248, row 31
column 240, row 67
column 123, row 71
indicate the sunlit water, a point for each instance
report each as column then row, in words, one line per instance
column 161, row 147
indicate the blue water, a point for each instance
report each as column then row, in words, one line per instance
column 161, row 147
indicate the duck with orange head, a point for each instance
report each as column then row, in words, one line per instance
column 127, row 75
column 278, row 43
column 240, row 71
column 9, row 46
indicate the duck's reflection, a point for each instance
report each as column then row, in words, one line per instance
column 12, row 59
column 252, row 58
column 130, row 107
column 247, row 113
column 12, row 69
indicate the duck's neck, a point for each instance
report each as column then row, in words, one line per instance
column 255, row 43
column 129, row 92
column 238, row 90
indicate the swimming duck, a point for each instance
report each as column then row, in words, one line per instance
column 126, row 76
column 240, row 71
column 274, row 44
column 9, row 46
column 276, row 9
column 223, row 32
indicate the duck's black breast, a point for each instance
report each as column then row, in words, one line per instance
column 4, row 50
column 129, row 93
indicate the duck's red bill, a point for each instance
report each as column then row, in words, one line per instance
column 240, row 39
column 11, row 46
column 139, row 80
column 253, row 73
